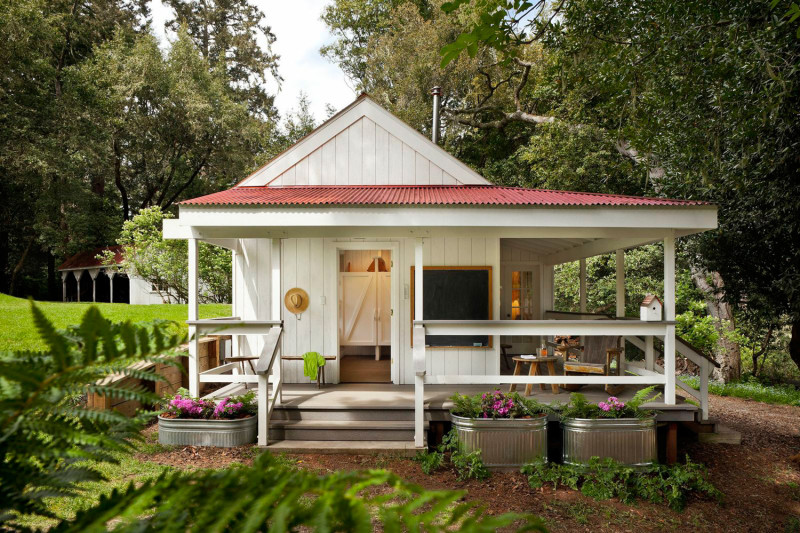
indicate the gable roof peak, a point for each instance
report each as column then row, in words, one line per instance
column 413, row 149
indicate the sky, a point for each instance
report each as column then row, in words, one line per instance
column 299, row 35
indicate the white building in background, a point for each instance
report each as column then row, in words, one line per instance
column 84, row 278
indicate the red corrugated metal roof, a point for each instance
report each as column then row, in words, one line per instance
column 88, row 258
column 479, row 195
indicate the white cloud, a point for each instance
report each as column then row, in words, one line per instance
column 299, row 35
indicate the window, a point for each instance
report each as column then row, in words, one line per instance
column 522, row 295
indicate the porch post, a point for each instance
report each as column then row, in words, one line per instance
column 64, row 286
column 582, row 287
column 620, row 283
column 620, row 268
column 419, row 349
column 669, row 310
column 93, row 273
column 194, row 341
column 78, row 283
column 111, row 286
column 649, row 353
column 275, row 313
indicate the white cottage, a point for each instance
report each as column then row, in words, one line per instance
column 421, row 276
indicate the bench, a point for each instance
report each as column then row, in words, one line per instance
column 320, row 373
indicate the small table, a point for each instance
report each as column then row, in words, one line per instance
column 534, row 370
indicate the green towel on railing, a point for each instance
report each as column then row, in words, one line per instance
column 311, row 363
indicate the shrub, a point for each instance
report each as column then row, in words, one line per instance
column 496, row 404
column 579, row 406
column 465, row 465
column 605, row 479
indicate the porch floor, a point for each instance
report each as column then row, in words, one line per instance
column 373, row 396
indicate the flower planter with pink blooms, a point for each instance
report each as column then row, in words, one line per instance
column 507, row 429
column 188, row 421
column 622, row 431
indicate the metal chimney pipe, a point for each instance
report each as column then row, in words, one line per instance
column 437, row 97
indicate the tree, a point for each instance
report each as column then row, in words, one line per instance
column 39, row 42
column 166, row 128
column 164, row 262
column 227, row 33
column 704, row 93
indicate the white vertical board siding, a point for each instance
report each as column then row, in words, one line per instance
column 451, row 251
column 381, row 156
column 251, row 283
column 313, row 265
column 364, row 154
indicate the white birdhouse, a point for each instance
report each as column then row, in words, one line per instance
column 650, row 308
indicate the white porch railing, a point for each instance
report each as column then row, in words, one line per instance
column 266, row 373
column 621, row 327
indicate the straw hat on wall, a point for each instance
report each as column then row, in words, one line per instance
column 296, row 300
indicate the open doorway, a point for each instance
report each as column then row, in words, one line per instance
column 365, row 316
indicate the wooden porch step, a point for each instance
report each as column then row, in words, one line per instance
column 713, row 432
column 342, row 413
column 359, row 447
column 721, row 435
column 342, row 430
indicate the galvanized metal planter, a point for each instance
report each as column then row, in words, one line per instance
column 219, row 433
column 504, row 442
column 630, row 441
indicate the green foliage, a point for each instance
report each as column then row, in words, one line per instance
column 48, row 443
column 580, row 407
column 284, row 499
column 235, row 39
column 164, row 263
column 466, row 465
column 603, row 479
column 751, row 388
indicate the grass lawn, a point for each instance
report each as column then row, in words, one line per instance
column 17, row 331
column 129, row 469
column 751, row 390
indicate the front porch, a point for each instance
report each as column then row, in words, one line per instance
column 382, row 397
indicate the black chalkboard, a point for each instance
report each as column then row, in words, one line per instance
column 456, row 294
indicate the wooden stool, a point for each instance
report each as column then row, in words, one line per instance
column 534, row 371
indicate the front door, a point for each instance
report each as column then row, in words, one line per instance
column 365, row 316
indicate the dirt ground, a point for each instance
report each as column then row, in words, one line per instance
column 760, row 479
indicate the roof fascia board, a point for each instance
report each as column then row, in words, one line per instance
column 699, row 218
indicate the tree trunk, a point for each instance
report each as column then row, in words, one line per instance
column 53, row 286
column 4, row 245
column 726, row 352
column 794, row 344
column 20, row 264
